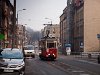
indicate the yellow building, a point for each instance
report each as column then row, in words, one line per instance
column 87, row 25
column 91, row 25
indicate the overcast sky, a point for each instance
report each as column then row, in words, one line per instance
column 37, row 10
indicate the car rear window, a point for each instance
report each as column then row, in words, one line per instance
column 11, row 54
column 29, row 48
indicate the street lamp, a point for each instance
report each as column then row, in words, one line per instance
column 17, row 21
column 17, row 14
column 49, row 19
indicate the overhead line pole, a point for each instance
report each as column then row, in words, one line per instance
column 14, row 24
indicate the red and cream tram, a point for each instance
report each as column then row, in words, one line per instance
column 48, row 48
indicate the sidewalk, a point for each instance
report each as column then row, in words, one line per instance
column 94, row 60
column 78, row 57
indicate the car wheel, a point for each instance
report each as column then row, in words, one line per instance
column 22, row 73
column 33, row 56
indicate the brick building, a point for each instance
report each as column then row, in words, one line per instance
column 6, row 22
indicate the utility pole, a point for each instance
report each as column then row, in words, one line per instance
column 1, row 23
column 14, row 24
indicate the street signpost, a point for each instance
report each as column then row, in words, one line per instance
column 68, row 45
column 98, row 36
column 2, row 36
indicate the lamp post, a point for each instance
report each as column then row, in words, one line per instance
column 17, row 22
column 17, row 14
column 14, row 23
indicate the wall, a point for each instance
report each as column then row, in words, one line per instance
column 91, row 25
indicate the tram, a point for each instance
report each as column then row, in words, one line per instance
column 48, row 47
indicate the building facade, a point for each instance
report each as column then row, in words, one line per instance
column 70, row 23
column 21, row 36
column 79, row 26
column 63, row 30
column 6, row 22
column 86, row 28
column 83, row 21
column 52, row 31
column 91, row 25
column 67, row 27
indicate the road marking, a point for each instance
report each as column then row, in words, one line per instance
column 72, row 66
column 43, row 72
column 84, row 74
column 88, row 62
column 77, row 71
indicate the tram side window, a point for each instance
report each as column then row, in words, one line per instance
column 50, row 45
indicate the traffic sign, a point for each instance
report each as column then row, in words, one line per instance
column 2, row 36
column 68, row 45
column 6, row 41
column 98, row 35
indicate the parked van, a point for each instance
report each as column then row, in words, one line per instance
column 29, row 51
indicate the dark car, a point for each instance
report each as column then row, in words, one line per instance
column 12, row 61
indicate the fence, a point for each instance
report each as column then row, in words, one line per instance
column 87, row 54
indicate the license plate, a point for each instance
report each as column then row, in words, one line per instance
column 6, row 70
column 29, row 52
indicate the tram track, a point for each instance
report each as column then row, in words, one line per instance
column 69, row 66
column 69, row 69
column 61, row 66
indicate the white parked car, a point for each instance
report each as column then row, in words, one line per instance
column 29, row 51
column 12, row 61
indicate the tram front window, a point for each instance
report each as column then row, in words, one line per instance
column 50, row 45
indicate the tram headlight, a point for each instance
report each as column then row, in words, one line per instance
column 54, row 55
column 48, row 54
